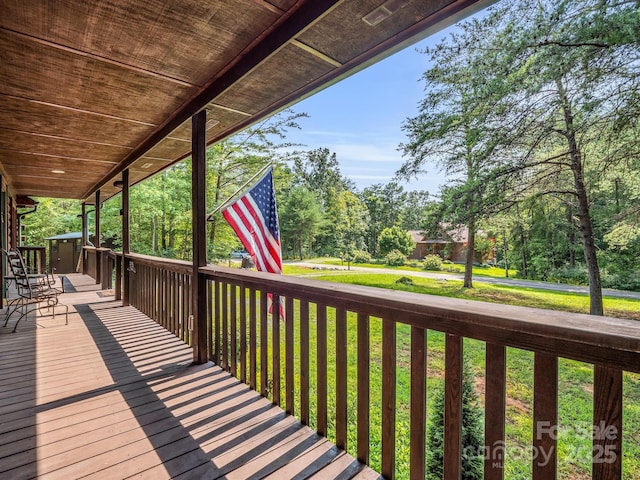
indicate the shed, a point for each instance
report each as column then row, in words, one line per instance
column 64, row 252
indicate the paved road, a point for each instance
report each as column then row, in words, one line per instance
column 558, row 287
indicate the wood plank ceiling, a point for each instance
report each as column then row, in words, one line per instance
column 90, row 87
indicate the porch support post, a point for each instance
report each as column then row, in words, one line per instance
column 83, row 252
column 126, row 242
column 84, row 224
column 198, row 206
column 98, row 245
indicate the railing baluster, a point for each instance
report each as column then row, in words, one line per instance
column 181, row 307
column 176, row 304
column 253, row 369
column 225, row 325
column 166, row 294
column 363, row 388
column 163, row 298
column 388, row 398
column 216, row 324
column 494, row 410
column 264, row 372
column 169, row 300
column 418, row 409
column 452, row 407
column 321, row 345
column 233, row 319
column 288, row 348
column 118, row 285
column 243, row 334
column 341, row 378
column 275, row 348
column 189, row 312
column 304, row 362
column 607, row 421
column 545, row 416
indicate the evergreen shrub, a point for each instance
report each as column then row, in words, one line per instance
column 472, row 432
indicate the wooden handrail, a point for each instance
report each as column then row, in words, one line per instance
column 178, row 266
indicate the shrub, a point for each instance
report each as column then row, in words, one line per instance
column 432, row 262
column 472, row 460
column 395, row 238
column 361, row 256
column 405, row 281
column 571, row 275
column 395, row 258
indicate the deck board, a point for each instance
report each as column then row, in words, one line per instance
column 114, row 395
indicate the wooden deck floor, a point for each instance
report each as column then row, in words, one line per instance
column 113, row 395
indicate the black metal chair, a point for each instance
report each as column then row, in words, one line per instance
column 32, row 290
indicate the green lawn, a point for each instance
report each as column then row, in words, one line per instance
column 575, row 378
column 414, row 266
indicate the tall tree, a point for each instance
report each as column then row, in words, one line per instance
column 538, row 86
column 453, row 133
column 300, row 221
column 386, row 205
column 319, row 171
column 565, row 82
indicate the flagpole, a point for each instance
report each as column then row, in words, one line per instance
column 233, row 196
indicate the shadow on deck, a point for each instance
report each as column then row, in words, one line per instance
column 114, row 395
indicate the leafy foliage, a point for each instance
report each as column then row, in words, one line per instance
column 432, row 262
column 395, row 238
column 395, row 258
column 361, row 256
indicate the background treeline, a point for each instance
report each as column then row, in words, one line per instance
column 532, row 112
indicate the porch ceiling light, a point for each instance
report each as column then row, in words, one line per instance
column 58, row 171
column 383, row 12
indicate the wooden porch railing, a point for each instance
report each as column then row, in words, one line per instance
column 161, row 289
column 268, row 354
column 35, row 258
column 304, row 363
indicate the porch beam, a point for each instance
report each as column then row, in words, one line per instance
column 198, row 209
column 126, row 242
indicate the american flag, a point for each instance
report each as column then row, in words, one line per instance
column 254, row 218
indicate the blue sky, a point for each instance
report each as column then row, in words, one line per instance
column 360, row 118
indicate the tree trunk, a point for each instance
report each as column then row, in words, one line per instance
column 525, row 263
column 572, row 237
column 471, row 247
column 584, row 214
column 172, row 234
column 154, row 235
